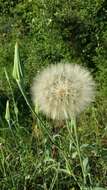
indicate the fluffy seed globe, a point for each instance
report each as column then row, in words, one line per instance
column 62, row 91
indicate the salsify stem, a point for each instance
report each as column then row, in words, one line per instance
column 78, row 150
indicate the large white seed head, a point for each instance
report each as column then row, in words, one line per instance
column 63, row 90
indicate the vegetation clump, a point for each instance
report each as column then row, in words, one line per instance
column 35, row 153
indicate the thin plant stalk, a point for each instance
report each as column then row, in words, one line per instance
column 34, row 113
column 14, row 103
column 78, row 150
column 9, row 124
column 70, row 133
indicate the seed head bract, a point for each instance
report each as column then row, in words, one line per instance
column 63, row 90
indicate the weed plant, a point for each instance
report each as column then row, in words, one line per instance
column 49, row 157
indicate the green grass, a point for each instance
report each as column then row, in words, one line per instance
column 38, row 154
column 31, row 160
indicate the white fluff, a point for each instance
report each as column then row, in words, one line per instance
column 63, row 90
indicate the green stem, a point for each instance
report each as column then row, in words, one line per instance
column 70, row 133
column 79, row 152
column 71, row 173
column 14, row 103
column 35, row 114
column 9, row 124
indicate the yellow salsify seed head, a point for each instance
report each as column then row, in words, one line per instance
column 63, row 90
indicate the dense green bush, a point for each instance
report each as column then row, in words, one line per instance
column 52, row 31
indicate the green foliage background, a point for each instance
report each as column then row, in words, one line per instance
column 50, row 31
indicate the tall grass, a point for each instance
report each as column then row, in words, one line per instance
column 45, row 156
